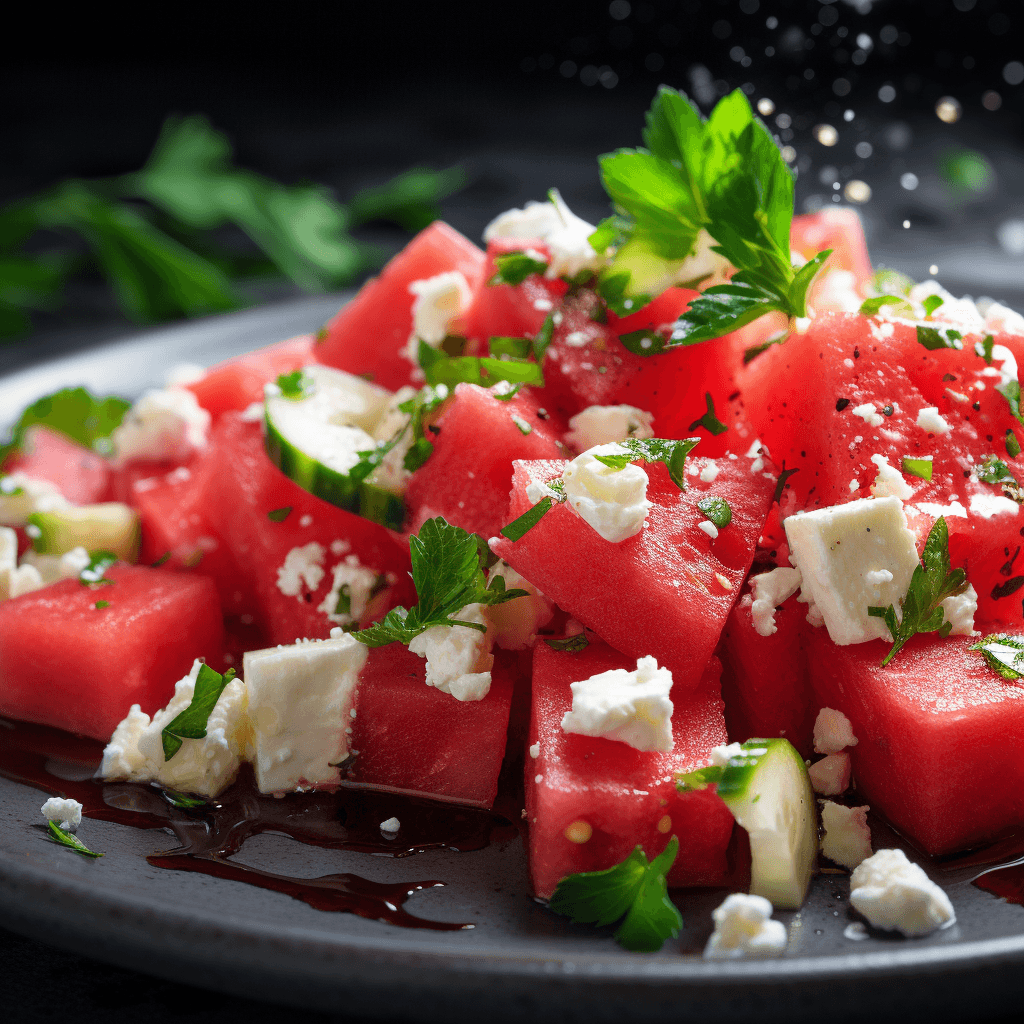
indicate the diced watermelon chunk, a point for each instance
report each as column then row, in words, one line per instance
column 69, row 664
column 239, row 382
column 240, row 498
column 82, row 475
column 476, row 438
column 623, row 796
column 840, row 230
column 412, row 738
column 939, row 736
column 668, row 590
column 368, row 334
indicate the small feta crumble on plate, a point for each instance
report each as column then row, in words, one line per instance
column 744, row 928
column 605, row 424
column 770, row 589
column 632, row 707
column 459, row 658
column 391, row 825
column 959, row 610
column 66, row 813
column 612, row 501
column 896, row 895
column 847, row 837
column 833, row 732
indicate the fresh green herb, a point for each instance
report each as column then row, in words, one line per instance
column 869, row 307
column 672, row 454
column 1003, row 653
column 983, row 348
column 1012, row 444
column 1011, row 392
column 935, row 338
column 891, row 282
column 516, row 267
column 932, row 303
column 295, row 385
column 321, row 334
column 533, row 515
column 68, row 839
column 573, row 644
column 919, row 467
column 9, row 489
column 645, row 342
column 750, row 354
column 344, row 602
column 687, row 782
column 419, row 451
column 485, row 371
column 505, row 392
column 523, row 426
column 447, row 574
column 162, row 560
column 780, row 484
column 716, row 509
column 279, row 515
column 183, row 801
column 995, row 471
column 100, row 605
column 421, row 405
column 190, row 724
column 635, row 890
column 933, row 581
column 513, row 348
column 543, row 338
column 709, row 421
column 94, row 573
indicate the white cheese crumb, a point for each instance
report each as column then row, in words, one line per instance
column 709, row 528
column 302, row 569
column 896, row 895
column 988, row 505
column 459, row 658
column 168, row 424
column 612, row 501
column 605, row 424
column 929, row 419
column 960, row 610
column 52, row 568
column 934, row 509
column 439, row 302
column 847, row 838
column 743, row 927
column 515, row 623
column 770, row 589
column 869, row 414
column 710, row 472
column 833, row 732
column 632, row 707
column 854, row 485
column 889, row 481
column 391, row 825
column 21, row 495
column 831, row 775
column 253, row 413
column 352, row 584
column 535, row 750
column 720, row 756
column 66, row 813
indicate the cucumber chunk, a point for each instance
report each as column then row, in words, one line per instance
column 770, row 795
column 109, row 526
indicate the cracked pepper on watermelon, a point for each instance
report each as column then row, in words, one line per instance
column 660, row 507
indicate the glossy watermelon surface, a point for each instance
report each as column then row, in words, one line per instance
column 82, row 476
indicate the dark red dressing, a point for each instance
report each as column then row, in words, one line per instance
column 209, row 835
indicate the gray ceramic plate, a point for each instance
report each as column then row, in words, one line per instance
column 520, row 961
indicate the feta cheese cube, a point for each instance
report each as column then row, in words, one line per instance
column 896, row 895
column 612, row 501
column 959, row 610
column 744, row 928
column 836, row 548
column 515, row 623
column 605, row 424
column 631, row 707
column 847, row 838
column 390, row 825
column 459, row 658
column 163, row 425
column 833, row 732
column 67, row 813
column 439, row 303
column 831, row 775
column 770, row 589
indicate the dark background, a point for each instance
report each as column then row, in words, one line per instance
column 522, row 95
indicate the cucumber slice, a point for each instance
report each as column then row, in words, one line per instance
column 770, row 795
column 110, row 526
column 315, row 440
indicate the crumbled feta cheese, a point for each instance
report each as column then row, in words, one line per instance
column 52, row 568
column 182, row 374
column 15, row 580
column 837, row 547
column 869, row 414
column 770, row 589
column 929, row 419
column 391, row 825
column 21, row 495
column 440, row 302
column 709, row 528
column 854, row 485
column 629, row 706
column 743, row 927
column 534, row 750
column 605, row 424
column 847, row 838
column 205, row 766
column 539, row 489
column 67, row 813
column 756, row 453
column 833, row 732
column 165, row 425
column 459, row 658
column 515, row 623
column 831, row 775
column 350, row 591
column 896, row 895
column 889, row 482
column 391, row 474
column 300, row 701
column 989, row 505
column 612, row 501
column 934, row 509
column 302, row 570
column 720, row 756
column 960, row 610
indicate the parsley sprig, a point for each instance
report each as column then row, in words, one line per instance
column 724, row 177
column 635, row 890
column 190, row 724
column 933, row 581
column 448, row 574
column 69, row 839
column 1003, row 653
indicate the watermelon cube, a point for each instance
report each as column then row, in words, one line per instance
column 73, row 662
column 591, row 800
column 82, row 476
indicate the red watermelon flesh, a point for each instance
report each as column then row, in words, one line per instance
column 82, row 476
column 239, row 499
column 626, row 796
column 132, row 651
column 839, row 230
column 939, row 736
column 412, row 738
column 476, row 438
column 368, row 334
column 668, row 590
column 764, row 678
column 237, row 383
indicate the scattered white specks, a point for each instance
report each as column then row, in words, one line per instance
column 306, row 520
column 576, row 339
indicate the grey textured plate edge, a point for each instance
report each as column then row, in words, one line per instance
column 406, row 974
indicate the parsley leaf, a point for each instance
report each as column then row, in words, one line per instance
column 533, row 515
column 516, row 267
column 716, row 509
column 94, row 573
column 634, row 889
column 190, row 724
column 1003, row 653
column 573, row 644
column 486, row 371
column 100, row 605
column 709, row 421
column 295, row 385
column 932, row 303
column 869, row 307
column 1012, row 444
column 1011, row 392
column 672, row 454
column 279, row 515
column 933, row 338
column 920, row 467
column 514, row 348
column 70, row 840
column 780, row 484
column 933, row 581
column 447, row 574
column 182, row 800
column 543, row 338
column 983, row 348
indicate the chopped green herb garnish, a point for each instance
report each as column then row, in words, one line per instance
column 99, row 563
column 573, row 644
column 933, row 581
column 523, row 426
column 635, row 890
column 869, row 307
column 1004, row 654
column 919, row 467
column 645, row 342
column 100, row 605
column 190, row 724
column 1011, row 392
column 891, row 282
column 343, row 606
column 514, row 348
column 933, row 338
column 68, row 839
column 1012, row 444
column 543, row 338
column 9, row 489
column 750, row 354
column 295, row 385
column 672, row 454
column 716, row 509
column 162, row 560
column 709, row 421
column 695, row 781
column 279, row 515
column 182, row 800
column 932, row 303
column 995, row 471
column 321, row 334
column 483, row 370
column 533, row 515
column 447, row 574
column 505, row 392
column 984, row 348
column 780, row 484
column 516, row 267
column 418, row 453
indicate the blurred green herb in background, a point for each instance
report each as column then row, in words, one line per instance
column 153, row 234
column 966, row 171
